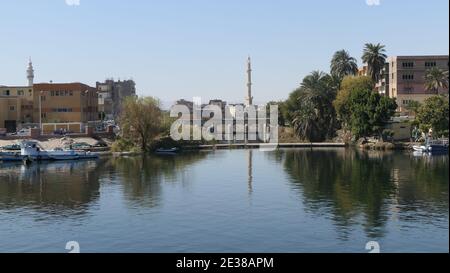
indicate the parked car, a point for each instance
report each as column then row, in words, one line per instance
column 3, row 131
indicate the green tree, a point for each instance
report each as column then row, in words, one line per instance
column 342, row 64
column 369, row 112
column 413, row 107
column 140, row 120
column 374, row 56
column 341, row 103
column 434, row 114
column 311, row 109
column 436, row 78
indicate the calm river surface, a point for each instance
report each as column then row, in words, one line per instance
column 330, row 200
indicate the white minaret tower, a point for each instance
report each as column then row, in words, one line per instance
column 249, row 98
column 30, row 73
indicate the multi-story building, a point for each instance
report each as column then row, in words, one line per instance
column 16, row 106
column 406, row 78
column 16, row 103
column 112, row 94
column 65, row 103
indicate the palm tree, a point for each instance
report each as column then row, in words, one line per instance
column 436, row 78
column 314, row 118
column 375, row 58
column 342, row 64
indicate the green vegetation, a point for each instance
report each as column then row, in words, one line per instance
column 436, row 78
column 343, row 65
column 325, row 103
column 310, row 107
column 413, row 107
column 434, row 114
column 341, row 103
column 140, row 122
column 369, row 112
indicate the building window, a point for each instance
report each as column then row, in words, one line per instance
column 408, row 89
column 20, row 93
column 71, row 93
column 62, row 110
column 408, row 77
column 6, row 92
column 12, row 108
column 430, row 64
column 408, row 64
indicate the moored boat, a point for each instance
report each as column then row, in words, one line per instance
column 170, row 151
column 433, row 146
column 33, row 152
column 10, row 157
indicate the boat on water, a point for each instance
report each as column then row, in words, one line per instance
column 31, row 151
column 438, row 146
column 10, row 157
column 170, row 151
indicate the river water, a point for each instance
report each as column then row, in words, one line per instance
column 292, row 200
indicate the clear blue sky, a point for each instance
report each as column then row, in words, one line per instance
column 180, row 49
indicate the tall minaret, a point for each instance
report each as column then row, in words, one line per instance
column 30, row 73
column 249, row 98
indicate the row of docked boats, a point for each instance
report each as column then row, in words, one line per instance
column 31, row 151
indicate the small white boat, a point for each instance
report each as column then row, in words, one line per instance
column 420, row 148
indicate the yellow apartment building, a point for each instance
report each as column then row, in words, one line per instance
column 16, row 106
column 65, row 103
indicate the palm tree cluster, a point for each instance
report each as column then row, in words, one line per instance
column 315, row 117
column 310, row 108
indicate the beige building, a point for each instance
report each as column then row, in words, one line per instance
column 405, row 78
column 65, row 103
column 16, row 106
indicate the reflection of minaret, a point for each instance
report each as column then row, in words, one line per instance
column 250, row 171
column 30, row 73
column 249, row 99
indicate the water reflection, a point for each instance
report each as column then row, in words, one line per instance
column 250, row 171
column 352, row 184
column 59, row 189
column 142, row 177
column 300, row 200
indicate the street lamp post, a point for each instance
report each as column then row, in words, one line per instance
column 40, row 111
column 82, row 108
